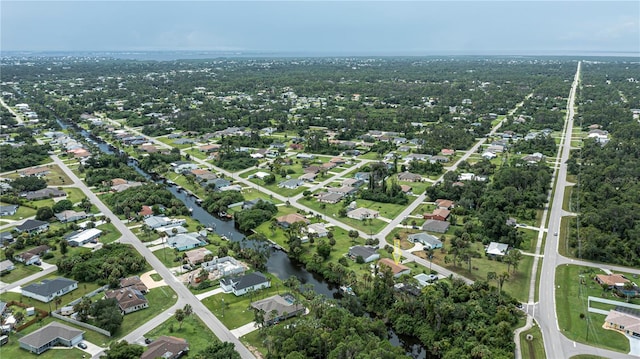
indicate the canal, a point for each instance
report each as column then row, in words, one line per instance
column 278, row 263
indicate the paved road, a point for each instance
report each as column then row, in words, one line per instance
column 184, row 295
column 555, row 343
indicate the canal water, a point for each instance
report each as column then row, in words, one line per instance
column 279, row 264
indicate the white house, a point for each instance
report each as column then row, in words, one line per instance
column 495, row 249
column 362, row 213
column 427, row 240
column 49, row 289
column 241, row 285
column 77, row 239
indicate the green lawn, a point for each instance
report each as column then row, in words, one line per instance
column 160, row 299
column 20, row 272
column 518, row 283
column 574, row 285
column 22, row 212
column 235, row 312
column 167, row 256
column 12, row 350
column 529, row 240
column 193, row 330
column 255, row 340
column 56, row 176
column 109, row 233
column 332, row 210
column 533, row 349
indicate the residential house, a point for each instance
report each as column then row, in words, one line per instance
column 209, row 148
column 242, row 285
column 183, row 167
column 330, row 197
column 397, row 269
column 431, row 225
column 495, row 249
column 5, row 237
column 312, row 169
column 305, row 156
column 52, row 335
column 362, row 176
column 362, row 213
column 289, row 219
column 129, row 299
column 351, row 182
column 291, row 183
column 447, row 152
column 6, row 266
column 203, row 175
column 338, row 161
column 166, row 347
column 49, row 289
column 318, row 228
column 441, row 159
column 70, row 216
column 35, row 171
column 134, row 282
column 185, row 241
column 44, row 194
column 218, row 183
column 278, row 307
column 489, row 155
column 416, row 157
column 80, row 238
column 146, row 211
column 8, row 210
column 611, row 280
column 344, row 190
column 156, row 222
column 625, row 321
column 533, row 158
column 196, row 256
column 444, row 203
column 406, row 189
column 31, row 256
column 125, row 186
column 368, row 254
column 308, row 177
column 427, row 240
column 224, row 266
column 425, row 279
column 33, row 226
column 409, row 177
column 438, row 214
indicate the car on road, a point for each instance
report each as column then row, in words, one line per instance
column 148, row 340
column 555, row 234
column 186, row 266
column 82, row 345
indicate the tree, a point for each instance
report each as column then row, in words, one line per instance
column 501, row 279
column 222, row 350
column 491, row 276
column 44, row 213
column 179, row 315
column 18, row 316
column 107, row 314
column 83, row 309
column 124, row 350
column 64, row 247
column 62, row 205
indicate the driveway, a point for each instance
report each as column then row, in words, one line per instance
column 149, row 282
column 92, row 349
column 634, row 345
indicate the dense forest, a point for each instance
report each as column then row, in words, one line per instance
column 130, row 201
column 14, row 158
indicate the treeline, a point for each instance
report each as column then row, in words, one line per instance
column 607, row 196
column 14, row 158
column 130, row 201
column 103, row 168
column 104, row 266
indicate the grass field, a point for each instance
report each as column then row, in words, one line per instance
column 255, row 342
column 109, row 233
column 235, row 312
column 167, row 256
column 533, row 349
column 331, row 210
column 517, row 285
column 574, row 320
column 193, row 330
column 20, row 272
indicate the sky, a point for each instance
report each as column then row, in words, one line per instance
column 324, row 27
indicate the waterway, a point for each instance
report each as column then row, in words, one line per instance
column 278, row 264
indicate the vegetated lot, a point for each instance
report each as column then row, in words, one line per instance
column 235, row 312
column 576, row 285
column 109, row 233
column 192, row 329
column 517, row 284
column 160, row 299
column 21, row 271
column 532, row 349
column 256, row 340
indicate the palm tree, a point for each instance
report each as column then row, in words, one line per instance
column 501, row 279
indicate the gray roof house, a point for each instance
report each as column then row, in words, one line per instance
column 70, row 216
column 9, row 210
column 54, row 334
column 278, row 307
column 291, row 183
column 495, row 249
column 6, row 266
column 432, row 225
column 32, row 226
column 5, row 236
column 49, row 289
column 368, row 254
column 427, row 240
column 182, row 242
column 44, row 193
column 242, row 285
